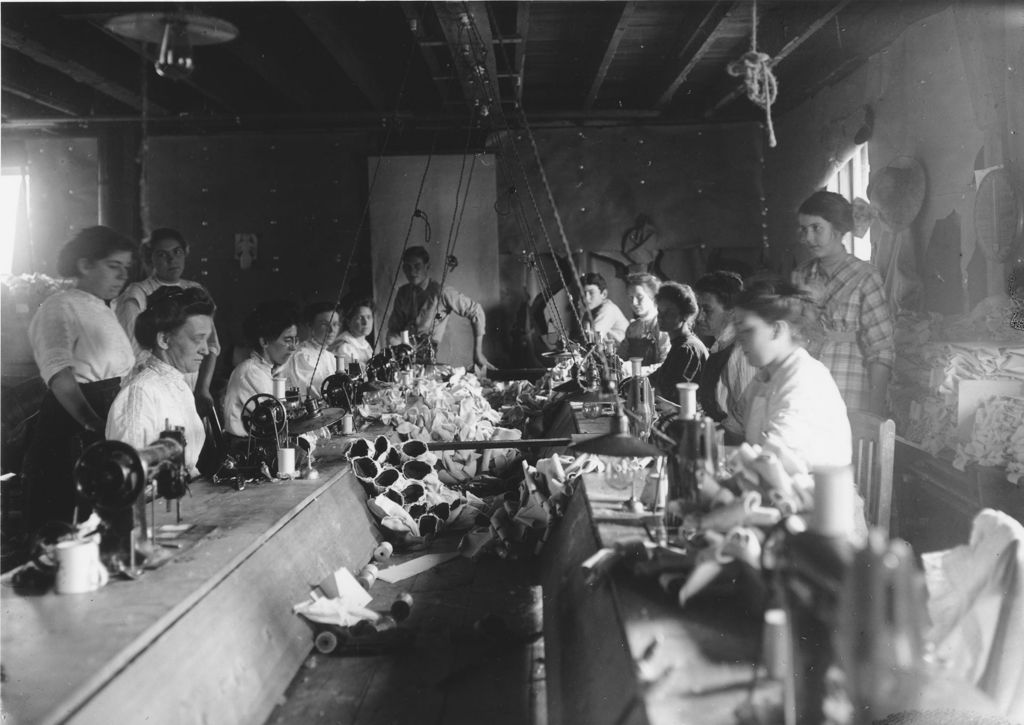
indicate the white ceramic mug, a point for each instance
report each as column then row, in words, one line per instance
column 285, row 461
column 79, row 568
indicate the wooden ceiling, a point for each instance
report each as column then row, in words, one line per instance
column 423, row 64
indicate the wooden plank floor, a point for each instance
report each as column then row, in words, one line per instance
column 455, row 674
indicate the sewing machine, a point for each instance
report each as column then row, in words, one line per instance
column 114, row 477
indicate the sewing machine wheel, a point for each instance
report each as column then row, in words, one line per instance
column 263, row 416
column 340, row 391
column 110, row 474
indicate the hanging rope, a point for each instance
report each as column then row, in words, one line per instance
column 413, row 47
column 529, row 188
column 756, row 70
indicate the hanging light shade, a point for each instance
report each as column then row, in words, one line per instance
column 176, row 34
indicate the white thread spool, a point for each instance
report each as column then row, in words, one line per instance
column 383, row 551
column 347, row 424
column 285, row 461
column 687, row 400
column 341, row 363
column 775, row 644
column 79, row 569
column 833, row 502
column 278, row 389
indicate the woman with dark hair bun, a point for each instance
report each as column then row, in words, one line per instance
column 165, row 253
column 677, row 309
column 82, row 353
column 313, row 361
column 272, row 331
column 175, row 328
column 857, row 346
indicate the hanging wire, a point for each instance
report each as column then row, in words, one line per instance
column 408, row 234
column 456, row 222
column 366, row 207
column 529, row 188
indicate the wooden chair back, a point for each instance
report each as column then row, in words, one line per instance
column 874, row 449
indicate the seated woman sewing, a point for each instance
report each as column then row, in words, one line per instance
column 726, row 373
column 175, row 328
column 313, row 361
column 677, row 309
column 272, row 332
column 792, row 404
column 357, row 324
column 644, row 338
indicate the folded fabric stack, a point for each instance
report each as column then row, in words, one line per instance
column 996, row 439
column 929, row 368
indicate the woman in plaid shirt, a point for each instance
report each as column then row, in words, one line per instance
column 857, row 347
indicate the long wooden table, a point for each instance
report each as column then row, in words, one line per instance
column 705, row 657
column 210, row 636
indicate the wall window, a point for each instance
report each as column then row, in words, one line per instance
column 12, row 184
column 852, row 181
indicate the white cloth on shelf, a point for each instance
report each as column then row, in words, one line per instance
column 156, row 395
column 76, row 329
column 976, row 605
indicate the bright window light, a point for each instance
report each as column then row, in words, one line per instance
column 10, row 197
column 852, row 181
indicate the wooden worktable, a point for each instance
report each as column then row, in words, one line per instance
column 210, row 636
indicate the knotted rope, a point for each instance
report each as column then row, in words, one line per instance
column 756, row 70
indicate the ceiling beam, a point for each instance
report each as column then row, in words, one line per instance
column 75, row 70
column 414, row 18
column 698, row 45
column 609, row 53
column 19, row 91
column 467, row 28
column 150, row 52
column 339, row 42
column 509, row 40
column 788, row 48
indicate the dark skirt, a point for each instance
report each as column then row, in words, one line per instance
column 57, row 442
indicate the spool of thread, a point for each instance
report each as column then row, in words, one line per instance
column 401, row 607
column 367, row 576
column 687, row 400
column 278, row 389
column 341, row 363
column 775, row 644
column 833, row 502
column 285, row 461
column 347, row 424
column 383, row 551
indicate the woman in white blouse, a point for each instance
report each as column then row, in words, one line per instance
column 272, row 332
column 82, row 353
column 175, row 327
column 313, row 362
column 792, row 403
column 357, row 324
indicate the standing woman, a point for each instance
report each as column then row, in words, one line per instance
column 82, row 353
column 165, row 253
column 858, row 344
column 644, row 339
column 272, row 331
column 677, row 309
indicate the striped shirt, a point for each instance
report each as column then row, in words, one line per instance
column 854, row 312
